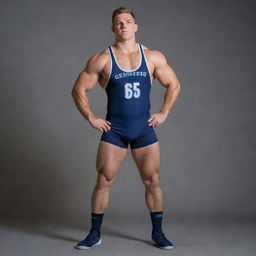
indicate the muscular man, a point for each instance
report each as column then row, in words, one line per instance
column 126, row 71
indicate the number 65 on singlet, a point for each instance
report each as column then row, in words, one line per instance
column 132, row 90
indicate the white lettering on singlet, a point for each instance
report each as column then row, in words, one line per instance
column 132, row 90
column 122, row 75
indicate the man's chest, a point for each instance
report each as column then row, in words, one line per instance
column 125, row 64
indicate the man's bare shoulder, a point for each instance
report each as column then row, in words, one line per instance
column 154, row 56
column 97, row 62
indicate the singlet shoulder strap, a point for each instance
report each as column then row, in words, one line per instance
column 111, row 52
column 142, row 52
column 140, row 47
column 144, row 62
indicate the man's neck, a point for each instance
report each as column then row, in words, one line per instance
column 126, row 46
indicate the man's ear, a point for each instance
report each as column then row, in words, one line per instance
column 136, row 27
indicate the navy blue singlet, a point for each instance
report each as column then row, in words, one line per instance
column 128, row 107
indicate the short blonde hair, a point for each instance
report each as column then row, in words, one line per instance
column 122, row 10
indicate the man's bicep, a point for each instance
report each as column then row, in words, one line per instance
column 88, row 77
column 163, row 72
column 166, row 75
column 85, row 81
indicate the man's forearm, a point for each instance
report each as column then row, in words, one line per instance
column 82, row 104
column 170, row 97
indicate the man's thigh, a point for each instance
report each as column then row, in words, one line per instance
column 147, row 159
column 109, row 158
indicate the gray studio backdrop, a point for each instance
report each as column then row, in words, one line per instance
column 48, row 150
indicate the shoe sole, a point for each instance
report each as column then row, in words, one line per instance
column 81, row 247
column 164, row 248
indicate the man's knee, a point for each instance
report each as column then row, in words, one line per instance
column 151, row 181
column 104, row 181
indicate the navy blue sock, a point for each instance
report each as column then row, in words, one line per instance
column 156, row 218
column 96, row 220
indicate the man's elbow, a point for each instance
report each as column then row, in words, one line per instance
column 175, row 86
column 178, row 87
column 74, row 93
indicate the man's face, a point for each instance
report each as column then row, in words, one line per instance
column 124, row 26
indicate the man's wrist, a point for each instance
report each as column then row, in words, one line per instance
column 90, row 117
column 165, row 112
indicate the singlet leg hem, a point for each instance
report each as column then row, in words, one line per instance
column 113, row 143
column 144, row 145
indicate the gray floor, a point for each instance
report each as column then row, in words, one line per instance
column 127, row 238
